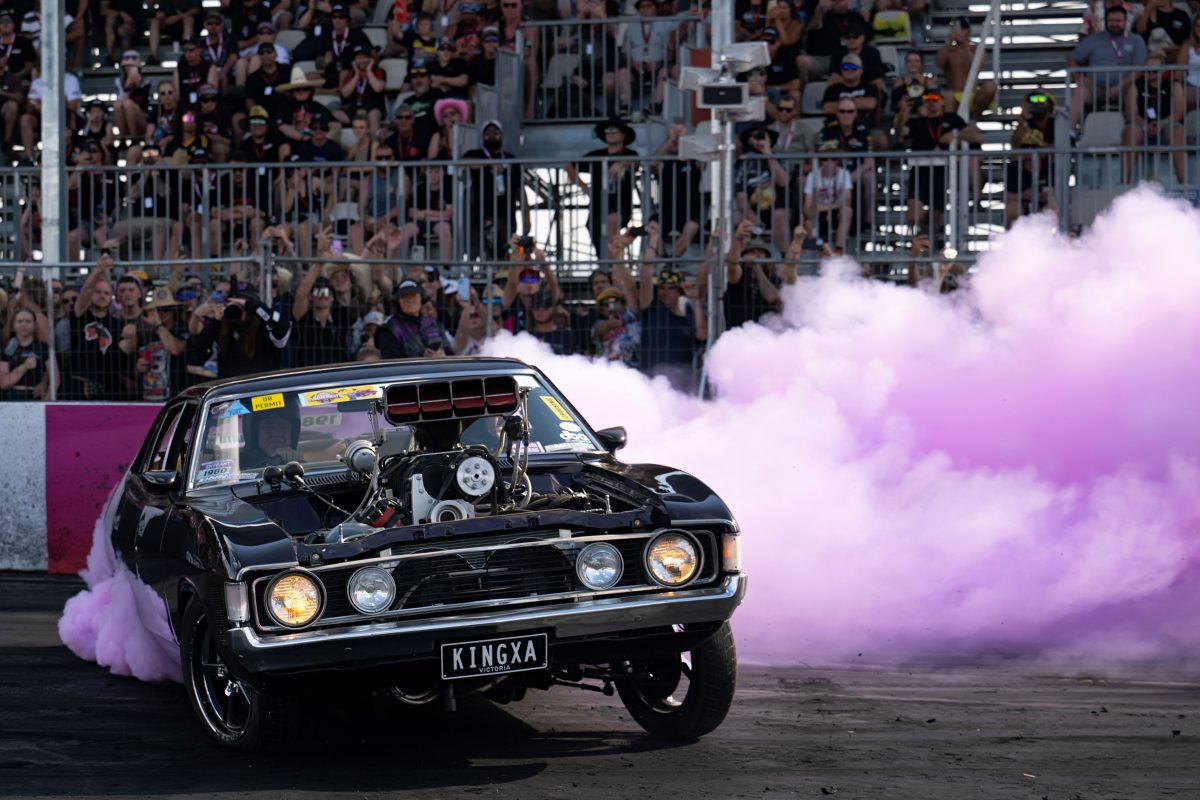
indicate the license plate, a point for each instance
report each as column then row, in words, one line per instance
column 494, row 656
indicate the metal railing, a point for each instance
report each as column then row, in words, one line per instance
column 590, row 69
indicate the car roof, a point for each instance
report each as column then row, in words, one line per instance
column 385, row 371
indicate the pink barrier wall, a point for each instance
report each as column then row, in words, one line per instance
column 88, row 448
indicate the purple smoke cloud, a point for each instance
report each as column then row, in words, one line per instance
column 118, row 621
column 1011, row 469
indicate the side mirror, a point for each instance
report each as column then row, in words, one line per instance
column 161, row 479
column 613, row 439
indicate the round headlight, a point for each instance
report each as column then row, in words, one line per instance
column 475, row 476
column 371, row 590
column 672, row 559
column 294, row 599
column 599, row 566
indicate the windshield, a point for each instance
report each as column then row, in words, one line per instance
column 243, row 436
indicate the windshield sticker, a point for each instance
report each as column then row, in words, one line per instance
column 215, row 471
column 265, row 402
column 235, row 409
column 341, row 394
column 573, row 446
column 536, row 447
column 248, row 476
column 328, row 420
column 556, row 408
column 570, row 426
column 567, row 436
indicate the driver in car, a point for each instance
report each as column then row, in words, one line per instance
column 272, row 437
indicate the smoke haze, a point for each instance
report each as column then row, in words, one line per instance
column 1010, row 470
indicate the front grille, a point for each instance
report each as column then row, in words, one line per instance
column 487, row 571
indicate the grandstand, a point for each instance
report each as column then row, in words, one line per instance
column 233, row 150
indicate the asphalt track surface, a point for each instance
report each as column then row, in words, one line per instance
column 69, row 728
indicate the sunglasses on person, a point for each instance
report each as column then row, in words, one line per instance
column 322, row 291
column 492, row 301
column 786, row 109
column 529, row 278
column 189, row 49
column 338, row 15
column 510, row 5
column 614, row 304
column 850, row 67
column 166, row 93
column 186, row 294
column 847, row 111
column 931, row 98
column 405, row 116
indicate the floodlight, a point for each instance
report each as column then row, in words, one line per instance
column 699, row 147
column 745, row 56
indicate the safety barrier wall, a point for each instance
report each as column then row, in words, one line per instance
column 62, row 462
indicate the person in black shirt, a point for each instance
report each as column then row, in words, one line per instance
column 320, row 148
column 22, row 57
column 825, row 32
column 854, row 42
column 482, row 68
column 246, row 16
column 753, row 288
column 191, row 73
column 262, row 85
column 612, row 208
column 362, row 89
column 930, row 129
column 448, row 72
column 1174, row 24
column 422, row 101
column 1154, row 106
column 681, row 208
column 494, row 195
column 852, row 86
column 850, row 135
column 322, row 331
column 95, row 359
column 782, row 73
column 250, row 337
column 23, row 372
column 430, row 211
column 337, row 46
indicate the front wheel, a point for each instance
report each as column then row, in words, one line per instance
column 234, row 713
column 684, row 696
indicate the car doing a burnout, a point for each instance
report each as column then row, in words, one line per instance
column 442, row 528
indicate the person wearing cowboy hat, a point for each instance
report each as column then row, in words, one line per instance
column 156, row 340
column 760, row 181
column 296, row 110
column 608, row 210
column 447, row 112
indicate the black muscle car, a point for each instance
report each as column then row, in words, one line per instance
column 427, row 529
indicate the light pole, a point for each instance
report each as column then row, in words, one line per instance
column 729, row 100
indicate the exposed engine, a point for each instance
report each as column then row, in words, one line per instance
column 423, row 475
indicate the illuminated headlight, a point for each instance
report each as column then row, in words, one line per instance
column 475, row 476
column 672, row 559
column 599, row 566
column 371, row 590
column 294, row 599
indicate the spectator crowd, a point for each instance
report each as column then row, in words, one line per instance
column 313, row 141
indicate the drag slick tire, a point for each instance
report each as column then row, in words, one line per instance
column 706, row 677
column 233, row 712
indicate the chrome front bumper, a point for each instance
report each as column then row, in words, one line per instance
column 408, row 640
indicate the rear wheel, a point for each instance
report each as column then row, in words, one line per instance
column 234, row 713
column 684, row 696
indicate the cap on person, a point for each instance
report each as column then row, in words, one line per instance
column 95, row 102
column 140, row 275
column 770, row 33
column 322, row 287
column 470, row 8
column 207, row 90
column 339, row 9
column 611, row 293
column 852, row 60
column 670, row 277
column 131, row 58
column 965, row 24
column 492, row 125
column 265, row 27
column 409, row 287
column 855, row 26
column 373, row 318
column 197, row 153
column 265, row 47
column 211, row 15
column 6, row 14
column 258, row 112
column 490, row 34
column 445, row 43
column 756, row 245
